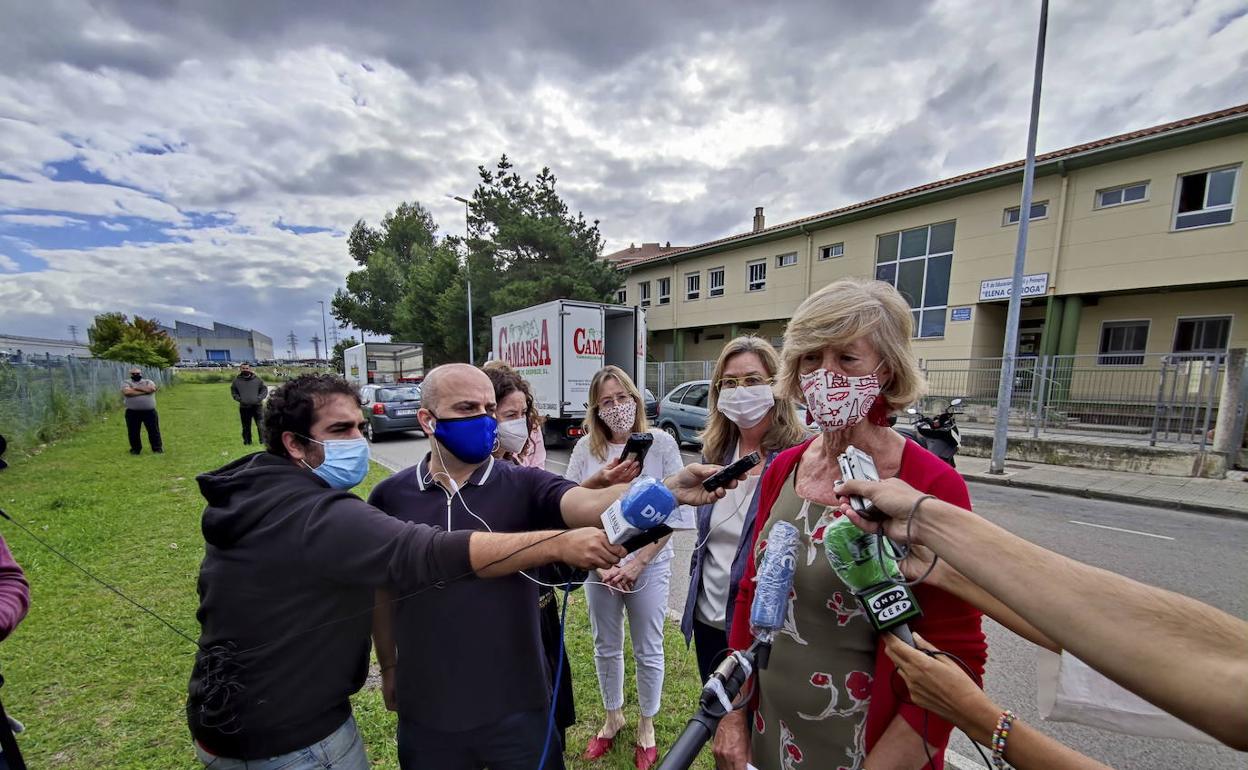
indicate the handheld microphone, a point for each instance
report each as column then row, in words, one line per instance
column 872, row 574
column 773, row 584
column 638, row 517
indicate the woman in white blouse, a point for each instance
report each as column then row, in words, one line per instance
column 638, row 584
column 745, row 417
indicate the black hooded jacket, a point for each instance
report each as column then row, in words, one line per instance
column 285, row 592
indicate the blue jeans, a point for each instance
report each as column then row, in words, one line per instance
column 343, row 749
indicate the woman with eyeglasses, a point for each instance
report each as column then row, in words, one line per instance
column 638, row 584
column 745, row 416
column 827, row 697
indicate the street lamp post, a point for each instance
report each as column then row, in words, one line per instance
column 467, row 271
column 324, row 330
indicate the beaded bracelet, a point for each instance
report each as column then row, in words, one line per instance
column 999, row 737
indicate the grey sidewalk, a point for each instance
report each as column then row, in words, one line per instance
column 1224, row 497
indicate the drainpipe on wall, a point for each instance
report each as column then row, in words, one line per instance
column 1060, row 236
column 810, row 256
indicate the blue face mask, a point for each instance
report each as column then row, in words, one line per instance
column 471, row 439
column 345, row 464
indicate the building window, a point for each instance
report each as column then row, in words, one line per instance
column 665, row 291
column 1118, row 196
column 693, row 286
column 644, row 293
column 1122, row 343
column 786, row 260
column 621, row 297
column 1206, row 198
column 715, row 281
column 1039, row 210
column 918, row 263
column 1202, row 335
column 832, row 251
column 757, row 278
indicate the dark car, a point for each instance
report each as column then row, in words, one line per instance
column 652, row 406
column 389, row 409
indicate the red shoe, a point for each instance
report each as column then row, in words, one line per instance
column 598, row 746
column 645, row 758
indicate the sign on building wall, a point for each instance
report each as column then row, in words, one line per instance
column 959, row 314
column 999, row 288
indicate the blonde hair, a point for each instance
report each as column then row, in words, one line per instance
column 721, row 434
column 595, row 429
column 850, row 309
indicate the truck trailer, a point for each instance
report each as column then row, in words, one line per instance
column 559, row 345
column 384, row 363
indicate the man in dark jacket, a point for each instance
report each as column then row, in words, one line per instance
column 249, row 391
column 286, row 585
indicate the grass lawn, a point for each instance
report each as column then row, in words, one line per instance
column 100, row 684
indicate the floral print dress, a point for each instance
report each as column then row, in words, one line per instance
column 814, row 694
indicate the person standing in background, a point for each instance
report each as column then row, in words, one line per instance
column 249, row 391
column 531, row 453
column 745, row 416
column 140, row 394
column 14, row 603
column 638, row 585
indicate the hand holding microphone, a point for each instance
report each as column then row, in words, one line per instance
column 892, row 500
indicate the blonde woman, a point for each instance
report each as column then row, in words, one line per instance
column 638, row 584
column 745, row 416
column 826, row 698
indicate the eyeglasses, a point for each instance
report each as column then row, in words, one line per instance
column 607, row 401
column 749, row 381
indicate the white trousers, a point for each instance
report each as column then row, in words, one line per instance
column 647, row 613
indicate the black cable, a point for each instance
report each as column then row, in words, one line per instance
column 86, row 572
column 892, row 685
column 223, row 652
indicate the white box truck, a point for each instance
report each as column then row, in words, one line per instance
column 384, row 363
column 558, row 346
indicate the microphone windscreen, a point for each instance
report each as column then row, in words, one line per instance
column 774, row 579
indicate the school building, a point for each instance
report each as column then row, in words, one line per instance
column 1137, row 247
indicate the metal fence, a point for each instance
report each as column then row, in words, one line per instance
column 42, row 397
column 1158, row 398
column 1170, row 399
column 663, row 376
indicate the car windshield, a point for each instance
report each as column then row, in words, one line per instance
column 398, row 394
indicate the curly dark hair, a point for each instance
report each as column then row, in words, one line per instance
column 292, row 407
column 507, row 381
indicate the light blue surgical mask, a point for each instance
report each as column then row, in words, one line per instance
column 345, row 464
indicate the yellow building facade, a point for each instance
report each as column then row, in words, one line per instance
column 1138, row 245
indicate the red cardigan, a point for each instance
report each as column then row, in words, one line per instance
column 948, row 623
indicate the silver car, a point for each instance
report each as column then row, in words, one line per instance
column 389, row 409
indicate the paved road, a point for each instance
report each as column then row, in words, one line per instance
column 1204, row 559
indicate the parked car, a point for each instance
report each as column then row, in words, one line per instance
column 682, row 412
column 389, row 409
column 652, row 406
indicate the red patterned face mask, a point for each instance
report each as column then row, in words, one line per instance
column 837, row 402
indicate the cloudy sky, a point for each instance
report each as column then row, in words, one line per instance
column 203, row 160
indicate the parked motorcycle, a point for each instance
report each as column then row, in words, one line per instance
column 939, row 435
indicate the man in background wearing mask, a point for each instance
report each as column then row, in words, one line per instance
column 464, row 666
column 140, row 394
column 249, row 391
column 287, row 584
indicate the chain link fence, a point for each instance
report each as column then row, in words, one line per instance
column 43, row 397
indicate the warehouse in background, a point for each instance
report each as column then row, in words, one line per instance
column 222, row 343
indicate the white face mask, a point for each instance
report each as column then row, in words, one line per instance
column 836, row 401
column 620, row 417
column 746, row 406
column 513, row 434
